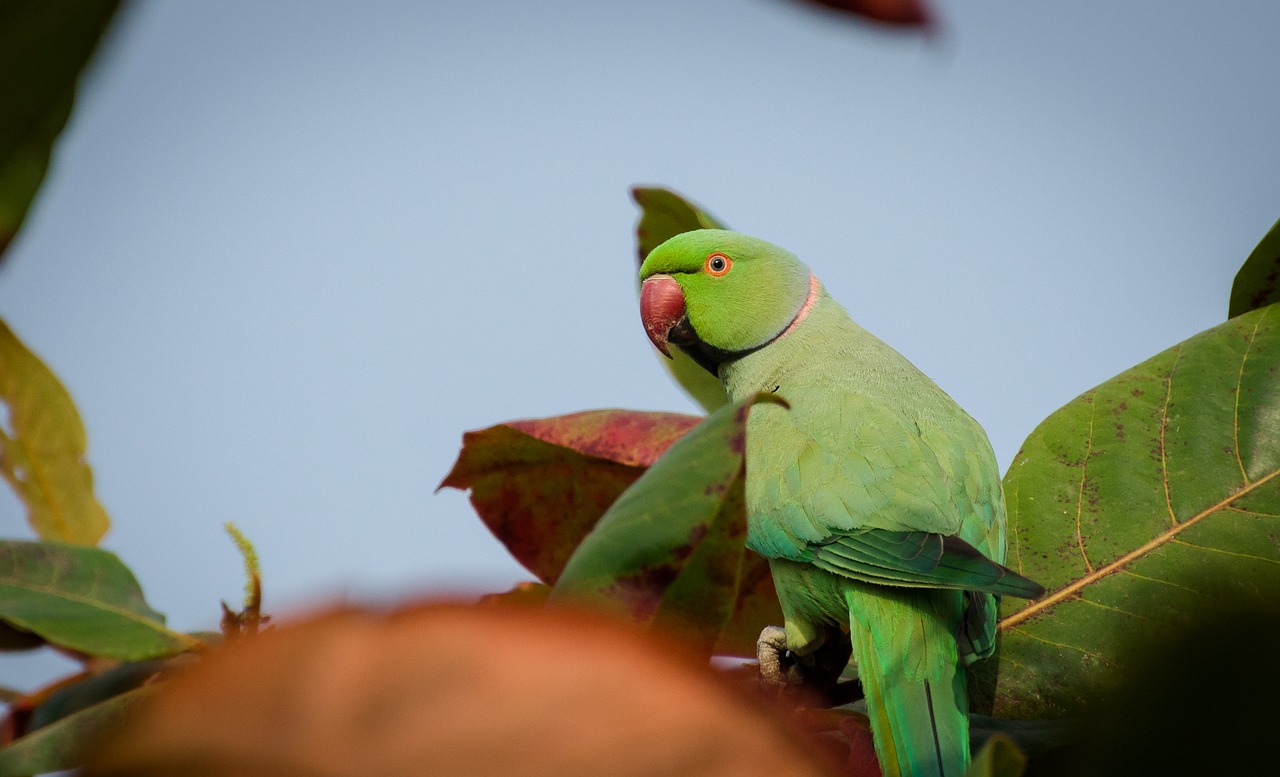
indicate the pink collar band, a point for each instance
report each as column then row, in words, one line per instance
column 814, row 288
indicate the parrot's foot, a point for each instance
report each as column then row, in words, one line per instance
column 817, row 673
column 778, row 667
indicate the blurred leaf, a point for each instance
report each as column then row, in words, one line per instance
column 663, row 215
column 1258, row 282
column 1033, row 737
column 92, row 690
column 862, row 760
column 906, row 13
column 541, row 484
column 669, row 551
column 62, row 745
column 14, row 639
column 448, row 689
column 1139, row 504
column 42, row 449
column 1200, row 701
column 523, row 594
column 44, row 46
column 84, row 599
column 999, row 757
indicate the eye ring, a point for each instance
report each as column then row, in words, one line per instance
column 718, row 264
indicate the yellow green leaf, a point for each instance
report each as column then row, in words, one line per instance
column 42, row 449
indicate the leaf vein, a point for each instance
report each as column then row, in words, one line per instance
column 1160, row 539
column 1062, row 645
column 1251, row 557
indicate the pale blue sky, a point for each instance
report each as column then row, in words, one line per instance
column 288, row 252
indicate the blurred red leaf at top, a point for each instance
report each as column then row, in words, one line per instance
column 541, row 484
column 906, row 13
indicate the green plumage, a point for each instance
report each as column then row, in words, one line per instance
column 876, row 498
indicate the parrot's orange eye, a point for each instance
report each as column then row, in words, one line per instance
column 718, row 264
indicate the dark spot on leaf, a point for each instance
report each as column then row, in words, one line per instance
column 641, row 593
column 1137, row 393
column 697, row 534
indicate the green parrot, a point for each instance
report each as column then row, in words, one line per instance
column 875, row 497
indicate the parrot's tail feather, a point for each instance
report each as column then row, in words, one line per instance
column 913, row 681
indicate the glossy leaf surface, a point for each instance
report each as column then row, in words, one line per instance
column 1140, row 505
column 42, row 449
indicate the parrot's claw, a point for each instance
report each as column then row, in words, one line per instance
column 816, row 674
column 778, row 668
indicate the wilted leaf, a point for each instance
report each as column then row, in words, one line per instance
column 1258, row 282
column 42, row 449
column 84, row 599
column 44, row 45
column 670, row 549
column 445, row 689
column 62, row 745
column 663, row 215
column 1140, row 504
column 541, row 484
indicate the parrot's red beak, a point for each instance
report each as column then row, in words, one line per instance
column 661, row 308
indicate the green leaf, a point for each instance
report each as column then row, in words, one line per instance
column 83, row 599
column 1138, row 505
column 663, row 215
column 42, row 449
column 1258, row 282
column 669, row 552
column 93, row 689
column 999, row 757
column 62, row 745
column 44, row 46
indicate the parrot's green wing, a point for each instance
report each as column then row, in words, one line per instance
column 876, row 497
column 919, row 559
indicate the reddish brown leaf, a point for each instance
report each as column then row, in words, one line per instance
column 627, row 437
column 907, row 13
column 448, row 689
column 541, row 484
column 862, row 749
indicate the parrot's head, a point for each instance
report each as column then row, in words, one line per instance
column 719, row 295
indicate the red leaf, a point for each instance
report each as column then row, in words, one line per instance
column 540, row 485
column 907, row 13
